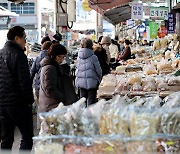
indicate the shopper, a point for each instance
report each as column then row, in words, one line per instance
column 36, row 68
column 16, row 96
column 145, row 43
column 100, row 52
column 105, row 42
column 127, row 51
column 113, row 49
column 53, row 88
column 88, row 72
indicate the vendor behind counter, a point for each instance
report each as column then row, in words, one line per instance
column 127, row 51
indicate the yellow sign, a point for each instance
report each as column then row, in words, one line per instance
column 85, row 6
column 93, row 37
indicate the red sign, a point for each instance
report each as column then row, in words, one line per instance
column 162, row 32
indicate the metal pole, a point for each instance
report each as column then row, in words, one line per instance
column 99, row 25
column 39, row 20
column 55, row 15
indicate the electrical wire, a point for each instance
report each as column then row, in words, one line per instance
column 60, row 3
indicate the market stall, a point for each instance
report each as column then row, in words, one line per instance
column 119, row 125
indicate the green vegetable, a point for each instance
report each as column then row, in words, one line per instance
column 177, row 73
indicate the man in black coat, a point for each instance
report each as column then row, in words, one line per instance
column 16, row 96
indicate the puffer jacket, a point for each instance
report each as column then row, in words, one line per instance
column 15, row 84
column 36, row 70
column 51, row 87
column 88, row 72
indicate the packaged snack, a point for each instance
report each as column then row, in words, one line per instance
column 162, row 86
column 174, row 81
column 136, row 87
column 172, row 101
column 149, row 69
column 144, row 122
column 170, row 122
column 134, row 79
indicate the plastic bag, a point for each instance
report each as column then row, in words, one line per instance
column 149, row 84
column 136, row 87
column 170, row 122
column 149, row 69
column 135, row 79
column 153, row 102
column 174, row 81
column 172, row 101
column 108, row 81
column 144, row 122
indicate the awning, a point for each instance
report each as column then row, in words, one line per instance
column 17, row 1
column 4, row 12
column 118, row 14
column 114, row 11
column 177, row 7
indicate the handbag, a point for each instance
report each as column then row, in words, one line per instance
column 70, row 94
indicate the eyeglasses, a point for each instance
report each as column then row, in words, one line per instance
column 24, row 37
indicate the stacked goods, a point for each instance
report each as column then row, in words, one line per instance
column 149, row 84
column 134, row 121
column 156, row 45
column 144, row 123
column 149, row 69
column 164, row 66
column 137, row 84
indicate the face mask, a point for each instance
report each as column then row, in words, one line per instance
column 106, row 47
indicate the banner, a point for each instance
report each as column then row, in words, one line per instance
column 153, row 29
column 136, row 10
column 162, row 31
column 159, row 12
column 171, row 23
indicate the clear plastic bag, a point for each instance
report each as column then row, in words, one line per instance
column 136, row 87
column 108, row 81
column 63, row 119
column 174, row 81
column 172, row 101
column 153, row 102
column 149, row 69
column 170, row 121
column 122, row 86
column 144, row 122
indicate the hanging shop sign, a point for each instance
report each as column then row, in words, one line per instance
column 141, row 30
column 162, row 31
column 171, row 23
column 159, row 12
column 130, row 23
column 136, row 10
column 146, row 10
column 85, row 6
column 153, row 29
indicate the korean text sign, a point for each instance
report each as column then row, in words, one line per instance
column 171, row 23
column 137, row 10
